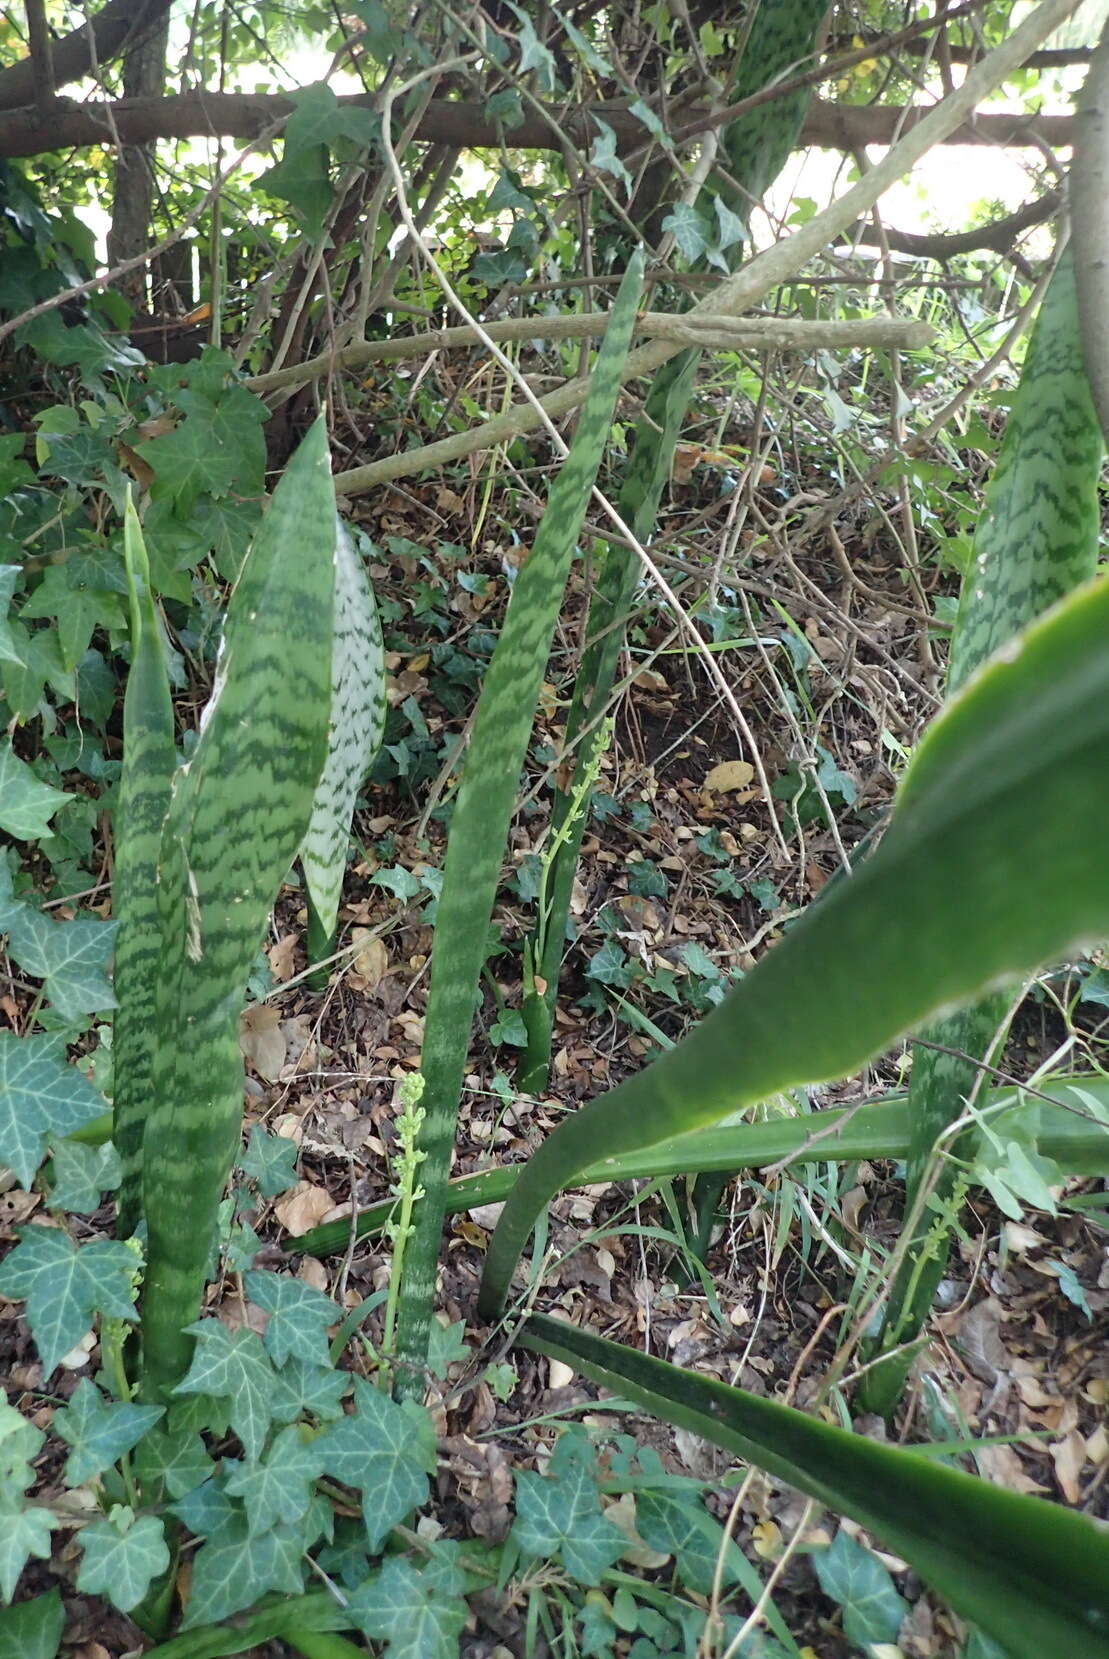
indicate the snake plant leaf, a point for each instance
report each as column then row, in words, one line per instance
column 146, row 779
column 1071, row 1128
column 1036, row 541
column 238, row 813
column 1029, row 1573
column 483, row 811
column 357, row 726
column 988, row 868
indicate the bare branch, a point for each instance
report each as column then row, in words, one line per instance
column 998, row 236
column 749, row 285
column 42, row 60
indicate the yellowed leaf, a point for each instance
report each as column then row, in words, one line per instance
column 730, row 775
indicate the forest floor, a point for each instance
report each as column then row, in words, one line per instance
column 682, row 884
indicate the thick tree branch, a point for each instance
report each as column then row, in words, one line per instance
column 691, row 329
column 465, row 125
column 42, row 60
column 996, row 237
column 749, row 285
column 72, row 56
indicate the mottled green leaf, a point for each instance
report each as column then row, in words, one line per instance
column 299, row 1388
column 65, row 1286
column 358, row 710
column 174, row 1459
column 122, row 1555
column 100, row 1431
column 9, row 576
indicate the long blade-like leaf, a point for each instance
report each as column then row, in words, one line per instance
column 1072, row 1128
column 239, row 812
column 988, row 869
column 1032, row 1575
column 144, row 792
column 1036, row 540
column 357, row 726
column 483, row 811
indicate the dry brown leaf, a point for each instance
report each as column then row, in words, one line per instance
column 371, row 959
column 730, row 775
column 281, row 958
column 262, row 1040
column 1068, row 1456
column 303, row 1208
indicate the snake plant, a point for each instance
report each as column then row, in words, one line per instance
column 483, row 810
column 1036, row 540
column 756, row 147
column 203, row 849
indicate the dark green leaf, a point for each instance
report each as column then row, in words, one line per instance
column 65, row 1286
column 100, row 1431
column 853, row 1576
column 121, row 1556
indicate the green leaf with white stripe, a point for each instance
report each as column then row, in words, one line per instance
column 238, row 813
column 357, row 726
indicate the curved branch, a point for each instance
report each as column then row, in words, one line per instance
column 466, row 125
column 998, row 236
column 73, row 56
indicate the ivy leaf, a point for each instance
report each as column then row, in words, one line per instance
column 83, row 1174
column 533, row 53
column 40, row 1096
column 205, row 1510
column 69, row 956
column 188, row 462
column 100, row 1431
column 65, row 1286
column 122, row 1556
column 560, row 1513
column 278, row 1489
column 688, row 231
column 233, row 1365
column 418, row 1611
column 270, row 1161
column 33, row 1630
column 9, row 576
column 853, row 1576
column 26, row 805
column 315, row 1389
column 299, row 1317
column 173, row 1459
column 604, row 158
column 77, row 608
column 24, row 683
column 20, row 1442
column 372, row 1450
column 236, row 1567
column 23, row 1533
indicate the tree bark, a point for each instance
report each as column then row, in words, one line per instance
column 465, row 125
column 144, row 71
column 72, row 56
